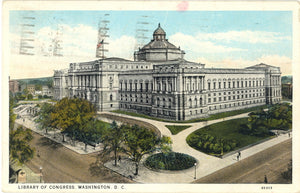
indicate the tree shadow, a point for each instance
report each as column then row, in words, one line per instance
column 49, row 143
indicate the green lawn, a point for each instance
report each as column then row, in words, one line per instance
column 228, row 130
column 212, row 117
column 177, row 128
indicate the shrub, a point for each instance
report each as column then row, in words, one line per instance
column 170, row 161
column 210, row 144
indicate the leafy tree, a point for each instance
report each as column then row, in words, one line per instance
column 261, row 122
column 38, row 87
column 44, row 118
column 19, row 148
column 91, row 132
column 70, row 115
column 29, row 96
column 140, row 141
column 25, row 91
column 12, row 116
column 113, row 138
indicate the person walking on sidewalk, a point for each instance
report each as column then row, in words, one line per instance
column 239, row 154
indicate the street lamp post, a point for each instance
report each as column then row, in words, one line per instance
column 195, row 164
column 41, row 174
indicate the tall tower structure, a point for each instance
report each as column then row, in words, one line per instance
column 142, row 28
column 103, row 29
column 57, row 41
column 27, row 34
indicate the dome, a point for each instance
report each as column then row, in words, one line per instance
column 159, row 31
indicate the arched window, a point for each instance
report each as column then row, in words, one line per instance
column 111, row 97
column 190, row 103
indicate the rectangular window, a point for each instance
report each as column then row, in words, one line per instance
column 219, row 85
column 209, row 100
column 224, row 84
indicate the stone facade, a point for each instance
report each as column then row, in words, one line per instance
column 161, row 83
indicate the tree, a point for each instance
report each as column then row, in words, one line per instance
column 278, row 117
column 92, row 132
column 112, row 139
column 12, row 116
column 38, row 87
column 19, row 148
column 70, row 115
column 44, row 118
column 140, row 141
column 29, row 96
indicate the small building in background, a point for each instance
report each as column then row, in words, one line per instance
column 14, row 86
column 46, row 91
column 31, row 89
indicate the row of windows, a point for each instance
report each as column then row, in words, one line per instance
column 147, row 87
column 237, row 84
column 222, row 106
column 236, row 92
column 129, row 67
column 234, row 97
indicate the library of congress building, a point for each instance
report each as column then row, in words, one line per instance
column 161, row 83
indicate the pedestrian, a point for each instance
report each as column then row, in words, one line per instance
column 38, row 153
column 23, row 120
column 289, row 134
column 266, row 179
column 277, row 134
column 119, row 158
column 237, row 157
column 239, row 153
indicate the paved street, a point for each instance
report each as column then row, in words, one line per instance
column 63, row 162
column 62, row 165
column 270, row 162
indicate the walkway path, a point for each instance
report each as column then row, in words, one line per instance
column 206, row 164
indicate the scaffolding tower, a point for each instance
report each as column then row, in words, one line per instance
column 142, row 30
column 103, row 29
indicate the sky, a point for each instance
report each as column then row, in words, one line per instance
column 219, row 39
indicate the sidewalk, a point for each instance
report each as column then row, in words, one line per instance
column 57, row 137
column 31, row 177
column 206, row 164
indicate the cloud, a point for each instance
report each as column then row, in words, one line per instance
column 122, row 47
column 252, row 37
column 78, row 45
column 79, row 40
column 285, row 63
column 198, row 45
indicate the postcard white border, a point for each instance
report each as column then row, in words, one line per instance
column 156, row 5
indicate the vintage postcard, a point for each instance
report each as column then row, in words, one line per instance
column 150, row 96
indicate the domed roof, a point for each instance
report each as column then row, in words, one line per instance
column 159, row 31
column 159, row 44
